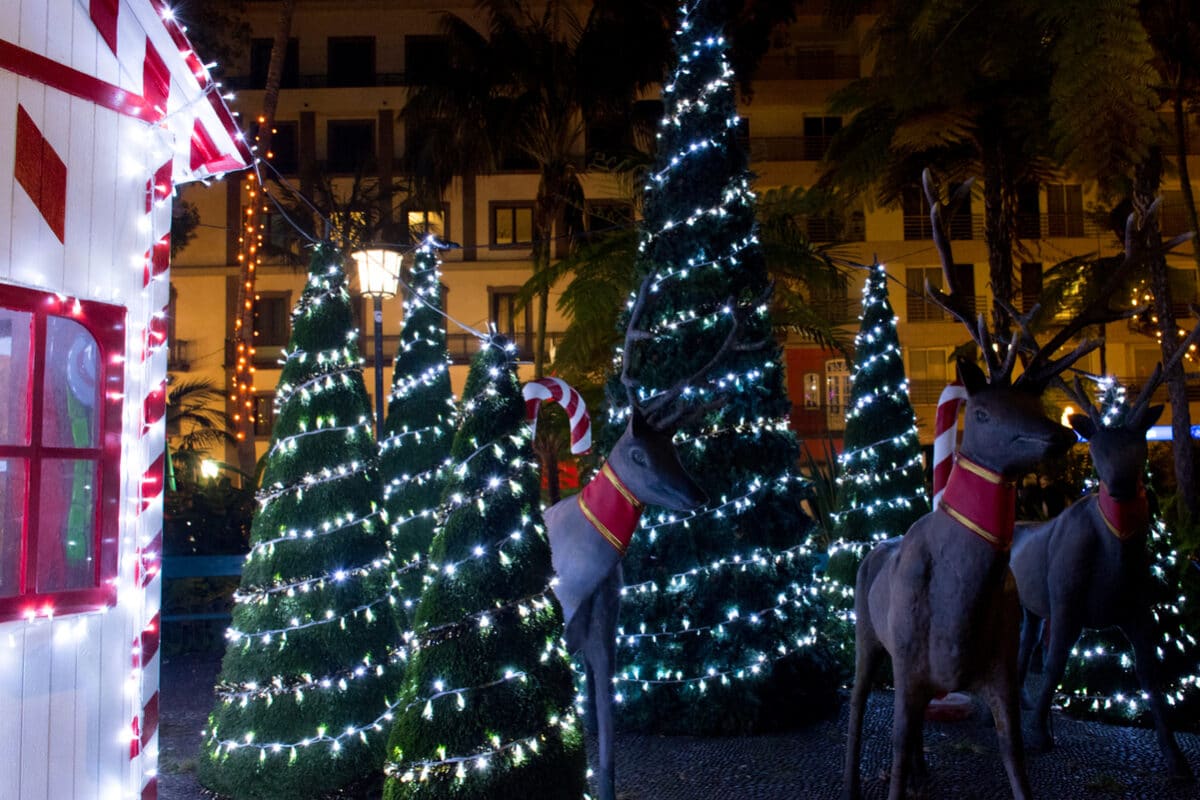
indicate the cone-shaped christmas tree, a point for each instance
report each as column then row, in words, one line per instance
column 881, row 481
column 718, row 616
column 1100, row 681
column 486, row 711
column 415, row 445
column 305, row 683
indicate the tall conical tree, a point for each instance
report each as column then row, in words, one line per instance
column 882, row 479
column 305, row 682
column 486, row 711
column 414, row 448
column 1100, row 681
column 718, row 620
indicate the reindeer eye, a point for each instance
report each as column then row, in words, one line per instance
column 981, row 415
column 638, row 457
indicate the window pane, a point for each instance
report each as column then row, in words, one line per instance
column 12, row 522
column 504, row 225
column 71, row 401
column 524, row 218
column 66, row 525
column 15, row 332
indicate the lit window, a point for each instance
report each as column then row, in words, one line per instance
column 512, row 225
column 423, row 223
column 60, row 450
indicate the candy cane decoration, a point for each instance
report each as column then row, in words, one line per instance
column 565, row 395
column 945, row 433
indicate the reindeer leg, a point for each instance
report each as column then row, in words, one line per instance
column 1002, row 697
column 1031, row 634
column 1064, row 630
column 1146, row 664
column 868, row 653
column 908, row 715
column 599, row 650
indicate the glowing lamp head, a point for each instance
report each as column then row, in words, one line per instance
column 209, row 468
column 378, row 271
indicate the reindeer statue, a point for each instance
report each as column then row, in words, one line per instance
column 590, row 531
column 1088, row 567
column 941, row 600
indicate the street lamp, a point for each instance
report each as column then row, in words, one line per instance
column 378, row 277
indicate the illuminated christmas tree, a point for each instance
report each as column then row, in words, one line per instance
column 718, row 615
column 415, row 445
column 882, row 480
column 305, row 683
column 486, row 710
column 1100, row 681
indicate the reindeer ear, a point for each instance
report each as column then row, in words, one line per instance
column 971, row 376
column 1150, row 416
column 1083, row 425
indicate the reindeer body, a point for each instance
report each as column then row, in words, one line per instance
column 587, row 562
column 1089, row 568
column 941, row 600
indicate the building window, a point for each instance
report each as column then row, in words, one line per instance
column 1032, row 283
column 512, row 224
column 260, row 62
column 837, row 393
column 1064, row 210
column 607, row 140
column 510, row 319
column 264, row 415
column 285, row 148
column 1173, row 218
column 812, row 391
column 818, row 132
column 927, row 374
column 272, row 318
column 349, row 144
column 60, row 450
column 1029, row 217
column 917, row 224
column 426, row 222
column 351, row 61
column 425, row 59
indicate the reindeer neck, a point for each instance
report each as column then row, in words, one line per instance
column 611, row 508
column 1125, row 518
column 981, row 500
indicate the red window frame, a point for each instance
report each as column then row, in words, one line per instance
column 106, row 324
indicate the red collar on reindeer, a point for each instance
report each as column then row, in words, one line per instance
column 982, row 501
column 611, row 508
column 1125, row 518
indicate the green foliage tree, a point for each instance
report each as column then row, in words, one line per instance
column 486, row 710
column 306, row 679
column 414, row 449
column 881, row 479
column 718, row 614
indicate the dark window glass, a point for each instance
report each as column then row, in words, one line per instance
column 285, row 148
column 425, row 59
column 272, row 319
column 264, row 414
column 350, row 144
column 260, row 62
column 1029, row 218
column 818, row 131
column 1031, row 284
column 1064, row 210
column 351, row 61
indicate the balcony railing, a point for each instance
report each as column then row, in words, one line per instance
column 920, row 308
column 925, row 391
column 321, row 81
column 788, row 148
column 1029, row 226
column 808, row 65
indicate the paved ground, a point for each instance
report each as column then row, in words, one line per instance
column 1092, row 760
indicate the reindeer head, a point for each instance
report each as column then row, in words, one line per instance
column 646, row 460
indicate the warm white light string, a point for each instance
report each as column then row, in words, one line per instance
column 754, row 559
column 733, row 618
column 289, row 442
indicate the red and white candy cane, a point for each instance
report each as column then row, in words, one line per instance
column 565, row 395
column 945, row 433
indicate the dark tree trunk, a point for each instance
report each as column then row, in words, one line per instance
column 1147, row 180
column 998, row 224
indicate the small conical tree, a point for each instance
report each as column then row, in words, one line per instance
column 486, row 710
column 305, row 683
column 1100, row 681
column 414, row 447
column 719, row 613
column 881, row 481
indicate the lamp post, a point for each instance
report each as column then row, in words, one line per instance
column 378, row 277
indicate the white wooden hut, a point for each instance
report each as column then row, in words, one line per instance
column 104, row 108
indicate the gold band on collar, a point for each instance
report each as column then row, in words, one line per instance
column 607, row 472
column 973, row 527
column 980, row 470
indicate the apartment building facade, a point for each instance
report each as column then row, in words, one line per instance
column 347, row 76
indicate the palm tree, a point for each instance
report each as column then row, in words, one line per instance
column 524, row 88
column 196, row 422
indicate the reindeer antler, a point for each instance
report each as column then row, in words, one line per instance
column 655, row 409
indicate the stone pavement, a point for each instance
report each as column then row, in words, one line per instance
column 1092, row 760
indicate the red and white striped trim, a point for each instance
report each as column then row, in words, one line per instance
column 945, row 436
column 565, row 395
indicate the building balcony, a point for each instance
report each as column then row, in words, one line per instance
column 919, row 308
